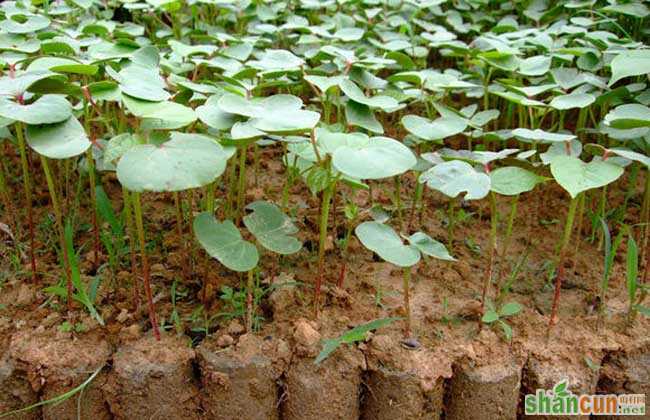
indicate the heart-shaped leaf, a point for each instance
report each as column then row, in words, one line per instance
column 513, row 180
column 47, row 109
column 272, row 228
column 376, row 158
column 628, row 116
column 355, row 94
column 213, row 116
column 629, row 63
column 27, row 25
column 163, row 115
column 429, row 246
column 361, row 115
column 535, row 66
column 185, row 161
column 538, row 135
column 454, row 177
column 223, row 241
column 576, row 176
column 573, row 100
column 58, row 141
column 383, row 240
column 438, row 129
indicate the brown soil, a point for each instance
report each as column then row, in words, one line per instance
column 272, row 375
column 241, row 381
column 153, row 379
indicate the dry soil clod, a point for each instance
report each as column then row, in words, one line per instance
column 627, row 372
column 153, row 379
column 489, row 392
column 327, row 391
column 57, row 362
column 544, row 371
column 240, row 382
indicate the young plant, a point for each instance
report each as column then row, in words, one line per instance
column 636, row 292
column 385, row 242
column 352, row 157
column 498, row 316
column 184, row 161
column 576, row 177
column 223, row 241
column 355, row 335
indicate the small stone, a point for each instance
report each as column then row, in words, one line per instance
column 225, row 341
column 235, row 327
column 132, row 332
column 283, row 297
column 123, row 316
column 305, row 334
column 410, row 344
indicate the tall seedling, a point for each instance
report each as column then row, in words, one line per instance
column 576, row 176
column 184, row 161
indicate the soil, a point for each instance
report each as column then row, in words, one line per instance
column 450, row 368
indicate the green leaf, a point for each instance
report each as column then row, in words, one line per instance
column 629, row 63
column 438, row 129
column 58, row 141
column 31, row 24
column 635, row 9
column 118, row 145
column 560, row 389
column 141, row 82
column 631, row 155
column 223, row 241
column 185, row 161
column 513, row 180
column 383, row 240
column 538, row 135
column 643, row 310
column 272, row 228
column 454, row 177
column 576, row 176
column 507, row 330
column 323, row 83
column 318, row 179
column 510, row 308
column 628, row 116
column 535, row 66
column 361, row 115
column 429, row 246
column 83, row 69
column 48, row 109
column 160, row 115
column 379, row 157
column 213, row 116
column 490, row 316
column 106, row 212
column 284, row 122
column 354, row 93
column 277, row 60
column 573, row 100
column 356, row 334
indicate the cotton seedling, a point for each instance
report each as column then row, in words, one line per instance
column 385, row 242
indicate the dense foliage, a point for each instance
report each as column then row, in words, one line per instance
column 475, row 99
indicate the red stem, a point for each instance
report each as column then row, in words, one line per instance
column 344, row 268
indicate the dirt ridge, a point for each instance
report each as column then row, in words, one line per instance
column 266, row 377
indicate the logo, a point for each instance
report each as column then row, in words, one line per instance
column 561, row 401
